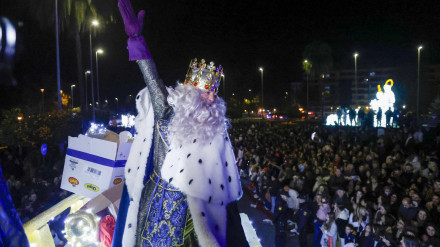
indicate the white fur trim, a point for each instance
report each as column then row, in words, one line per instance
column 208, row 176
column 211, row 226
column 136, row 163
column 207, row 172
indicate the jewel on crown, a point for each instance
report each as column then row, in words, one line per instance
column 204, row 76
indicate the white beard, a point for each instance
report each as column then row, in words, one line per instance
column 195, row 118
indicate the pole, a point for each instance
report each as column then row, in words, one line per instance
column 97, row 76
column 58, row 56
column 117, row 104
column 262, row 89
column 87, row 95
column 307, row 83
column 418, row 82
column 91, row 75
column 71, row 93
column 355, row 79
column 42, row 97
column 224, row 86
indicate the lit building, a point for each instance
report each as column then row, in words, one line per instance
column 367, row 81
column 327, row 91
column 432, row 85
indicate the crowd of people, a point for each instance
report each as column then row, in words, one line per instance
column 344, row 186
column 332, row 186
column 34, row 185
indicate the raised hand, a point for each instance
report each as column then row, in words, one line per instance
column 133, row 24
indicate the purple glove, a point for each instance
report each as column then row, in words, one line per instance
column 137, row 49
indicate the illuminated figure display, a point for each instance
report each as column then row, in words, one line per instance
column 384, row 102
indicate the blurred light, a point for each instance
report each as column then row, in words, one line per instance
column 127, row 120
column 261, row 69
column 19, row 118
column 95, row 23
column 356, row 54
column 420, row 47
column 100, row 51
column 88, row 72
column 42, row 90
column 11, row 38
column 404, row 106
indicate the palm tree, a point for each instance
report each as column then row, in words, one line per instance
column 74, row 18
column 320, row 55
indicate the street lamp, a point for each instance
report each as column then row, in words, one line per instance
column 355, row 78
column 71, row 92
column 117, row 103
column 224, row 86
column 99, row 51
column 95, row 23
column 87, row 95
column 418, row 80
column 307, row 68
column 262, row 92
column 58, row 56
column 42, row 98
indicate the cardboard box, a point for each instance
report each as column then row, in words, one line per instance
column 93, row 165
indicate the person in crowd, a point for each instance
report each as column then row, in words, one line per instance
column 407, row 210
column 321, row 217
column 398, row 228
column 290, row 196
column 421, row 219
column 348, row 237
column 359, row 218
column 329, row 231
column 366, row 238
column 342, row 215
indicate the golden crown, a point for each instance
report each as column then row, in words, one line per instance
column 204, row 76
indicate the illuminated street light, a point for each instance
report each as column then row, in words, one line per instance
column 71, row 93
column 95, row 23
column 306, row 62
column 42, row 99
column 418, row 80
column 117, row 103
column 99, row 51
column 262, row 90
column 355, row 78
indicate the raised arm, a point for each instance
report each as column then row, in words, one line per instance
column 138, row 51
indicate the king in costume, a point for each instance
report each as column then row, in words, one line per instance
column 181, row 182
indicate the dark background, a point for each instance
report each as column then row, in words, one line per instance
column 240, row 35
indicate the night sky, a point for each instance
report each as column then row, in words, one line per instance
column 240, row 35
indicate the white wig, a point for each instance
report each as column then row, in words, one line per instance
column 195, row 117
